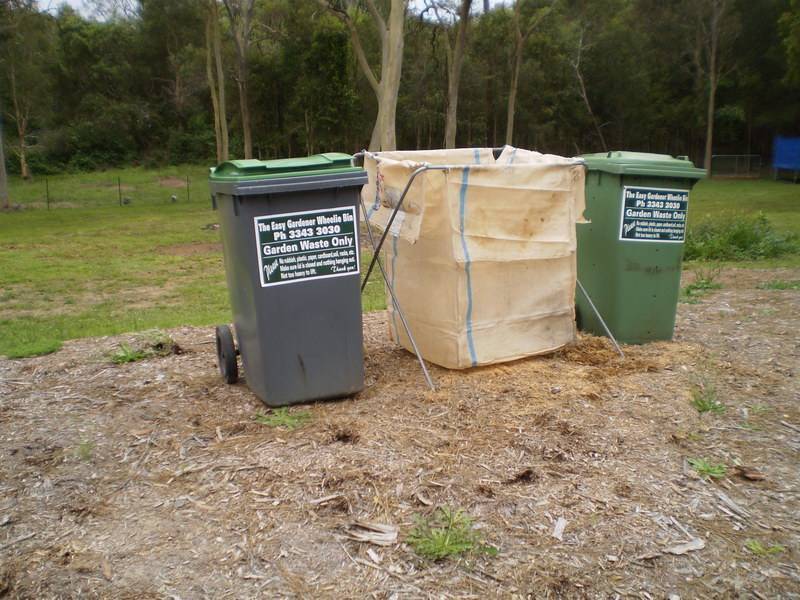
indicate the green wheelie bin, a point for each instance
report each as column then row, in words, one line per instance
column 290, row 241
column 631, row 250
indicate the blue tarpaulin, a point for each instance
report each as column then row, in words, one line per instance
column 786, row 153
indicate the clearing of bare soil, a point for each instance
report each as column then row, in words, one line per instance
column 154, row 479
column 172, row 182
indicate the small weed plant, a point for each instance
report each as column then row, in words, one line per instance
column 779, row 284
column 745, row 237
column 760, row 549
column 707, row 469
column 704, row 282
column 127, row 354
column 147, row 345
column 282, row 418
column 704, row 399
column 85, row 450
column 447, row 533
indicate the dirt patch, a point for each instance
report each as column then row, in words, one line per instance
column 134, row 297
column 172, row 182
column 152, row 479
column 192, row 249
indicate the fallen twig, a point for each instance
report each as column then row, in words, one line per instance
column 21, row 538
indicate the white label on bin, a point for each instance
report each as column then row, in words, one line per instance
column 314, row 244
column 653, row 215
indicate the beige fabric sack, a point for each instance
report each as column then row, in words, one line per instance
column 481, row 255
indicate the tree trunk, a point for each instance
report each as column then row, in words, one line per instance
column 577, row 66
column 713, row 80
column 390, row 76
column 212, row 87
column 388, row 87
column 710, row 127
column 223, row 111
column 216, row 83
column 21, row 119
column 454, row 75
column 241, row 16
column 520, row 38
column 244, row 107
column 3, row 175
column 23, row 159
column 375, row 138
column 512, row 91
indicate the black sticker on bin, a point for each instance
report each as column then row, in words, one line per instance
column 653, row 215
column 315, row 244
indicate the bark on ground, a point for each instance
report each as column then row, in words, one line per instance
column 152, row 479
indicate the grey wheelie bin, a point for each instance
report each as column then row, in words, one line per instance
column 290, row 240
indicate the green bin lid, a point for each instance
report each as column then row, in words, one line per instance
column 318, row 164
column 643, row 163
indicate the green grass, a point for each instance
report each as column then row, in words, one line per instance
column 446, row 533
column 730, row 200
column 779, row 284
column 760, row 549
column 104, row 269
column 282, row 418
column 712, row 199
column 707, row 469
column 101, row 269
column 137, row 185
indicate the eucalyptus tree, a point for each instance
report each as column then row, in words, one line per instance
column 240, row 13
column 26, row 56
column 386, row 84
column 524, row 22
column 454, row 20
column 215, row 76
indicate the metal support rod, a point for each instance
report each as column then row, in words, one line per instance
column 600, row 317
column 395, row 303
column 47, row 191
column 119, row 189
column 421, row 169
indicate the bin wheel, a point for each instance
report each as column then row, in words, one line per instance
column 226, row 354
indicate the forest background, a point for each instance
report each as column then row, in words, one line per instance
column 156, row 82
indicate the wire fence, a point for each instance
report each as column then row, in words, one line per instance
column 118, row 189
column 736, row 165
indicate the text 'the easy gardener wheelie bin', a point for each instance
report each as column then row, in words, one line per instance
column 630, row 252
column 290, row 239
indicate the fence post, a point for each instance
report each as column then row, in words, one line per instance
column 47, row 190
column 119, row 189
column 188, row 195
